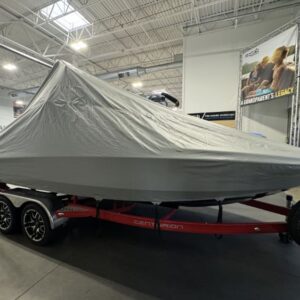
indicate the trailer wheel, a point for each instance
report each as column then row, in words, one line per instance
column 36, row 224
column 8, row 216
column 294, row 222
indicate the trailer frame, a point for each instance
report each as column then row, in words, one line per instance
column 162, row 218
column 121, row 213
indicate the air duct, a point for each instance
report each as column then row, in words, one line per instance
column 139, row 71
column 133, row 72
column 119, row 74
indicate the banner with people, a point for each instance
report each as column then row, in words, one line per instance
column 269, row 69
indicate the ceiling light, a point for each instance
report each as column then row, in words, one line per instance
column 137, row 84
column 78, row 45
column 9, row 67
column 19, row 102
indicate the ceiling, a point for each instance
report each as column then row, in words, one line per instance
column 145, row 36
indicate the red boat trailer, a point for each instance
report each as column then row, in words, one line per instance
column 121, row 213
column 41, row 213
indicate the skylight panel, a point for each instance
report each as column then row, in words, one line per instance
column 72, row 21
column 64, row 15
column 57, row 9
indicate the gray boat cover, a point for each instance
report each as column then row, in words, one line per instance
column 81, row 135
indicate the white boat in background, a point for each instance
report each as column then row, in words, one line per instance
column 83, row 136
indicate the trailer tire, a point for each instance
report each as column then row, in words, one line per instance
column 8, row 216
column 36, row 225
column 294, row 223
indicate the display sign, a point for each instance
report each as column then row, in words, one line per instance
column 268, row 70
column 216, row 116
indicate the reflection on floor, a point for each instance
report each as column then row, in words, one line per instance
column 127, row 263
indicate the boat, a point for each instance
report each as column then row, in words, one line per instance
column 82, row 136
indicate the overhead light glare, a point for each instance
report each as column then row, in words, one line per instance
column 78, row 45
column 19, row 102
column 137, row 84
column 10, row 67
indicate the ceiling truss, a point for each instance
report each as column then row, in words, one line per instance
column 122, row 34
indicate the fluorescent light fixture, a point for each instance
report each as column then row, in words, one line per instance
column 137, row 84
column 65, row 15
column 9, row 67
column 78, row 45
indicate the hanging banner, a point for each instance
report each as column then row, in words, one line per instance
column 268, row 70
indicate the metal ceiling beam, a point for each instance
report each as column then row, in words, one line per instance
column 39, row 58
column 141, row 24
column 52, row 37
column 150, row 21
column 23, row 51
column 19, row 17
column 176, row 14
column 242, row 15
column 135, row 49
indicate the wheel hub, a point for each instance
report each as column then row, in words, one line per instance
column 5, row 216
column 34, row 225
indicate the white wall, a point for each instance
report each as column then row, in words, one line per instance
column 269, row 120
column 208, row 88
column 211, row 65
column 6, row 110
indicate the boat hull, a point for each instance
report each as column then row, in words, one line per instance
column 154, row 180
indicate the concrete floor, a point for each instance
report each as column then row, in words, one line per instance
column 129, row 263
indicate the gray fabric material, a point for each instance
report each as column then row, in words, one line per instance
column 80, row 135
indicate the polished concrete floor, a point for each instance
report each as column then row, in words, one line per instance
column 129, row 263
